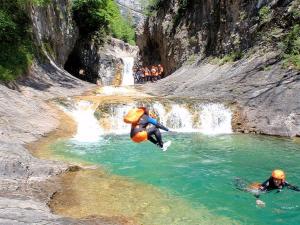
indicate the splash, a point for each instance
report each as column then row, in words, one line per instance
column 88, row 129
column 113, row 121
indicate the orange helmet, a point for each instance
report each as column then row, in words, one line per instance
column 153, row 115
column 278, row 174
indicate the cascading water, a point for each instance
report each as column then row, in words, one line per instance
column 127, row 78
column 215, row 119
column 88, row 129
column 179, row 119
column 113, row 121
column 206, row 118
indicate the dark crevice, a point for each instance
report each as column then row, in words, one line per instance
column 76, row 67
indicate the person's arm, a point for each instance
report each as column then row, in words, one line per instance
column 292, row 187
column 259, row 202
column 263, row 187
column 157, row 124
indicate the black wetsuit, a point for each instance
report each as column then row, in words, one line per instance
column 151, row 126
column 269, row 185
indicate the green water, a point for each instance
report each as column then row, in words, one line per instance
column 201, row 170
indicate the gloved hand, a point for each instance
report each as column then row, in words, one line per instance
column 260, row 203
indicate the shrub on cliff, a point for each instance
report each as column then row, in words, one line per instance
column 102, row 16
column 291, row 48
column 90, row 15
column 15, row 42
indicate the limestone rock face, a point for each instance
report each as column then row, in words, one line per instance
column 264, row 96
column 54, row 29
column 133, row 8
column 92, row 62
column 179, row 30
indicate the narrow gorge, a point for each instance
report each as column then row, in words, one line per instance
column 229, row 93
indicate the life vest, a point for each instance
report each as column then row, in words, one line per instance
column 161, row 69
column 153, row 71
column 156, row 71
column 254, row 186
column 147, row 72
column 133, row 115
column 140, row 137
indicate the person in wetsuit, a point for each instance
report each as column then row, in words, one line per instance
column 147, row 128
column 275, row 182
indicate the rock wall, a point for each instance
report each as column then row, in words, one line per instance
column 92, row 62
column 180, row 29
column 264, row 96
column 132, row 8
column 54, row 29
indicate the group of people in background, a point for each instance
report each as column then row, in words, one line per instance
column 148, row 73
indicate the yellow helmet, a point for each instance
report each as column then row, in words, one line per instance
column 278, row 174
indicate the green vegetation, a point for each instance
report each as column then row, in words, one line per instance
column 15, row 41
column 191, row 60
column 99, row 18
column 295, row 9
column 183, row 4
column 243, row 15
column 291, row 48
column 151, row 6
column 232, row 57
column 39, row 2
column 265, row 14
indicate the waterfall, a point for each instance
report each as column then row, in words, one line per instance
column 113, row 121
column 215, row 119
column 88, row 129
column 204, row 118
column 127, row 78
column 180, row 119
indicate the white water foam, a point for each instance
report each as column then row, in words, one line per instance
column 117, row 125
column 127, row 78
column 207, row 119
column 88, row 128
column 112, row 90
column 215, row 119
column 180, row 119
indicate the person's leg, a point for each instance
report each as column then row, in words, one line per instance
column 153, row 140
column 156, row 132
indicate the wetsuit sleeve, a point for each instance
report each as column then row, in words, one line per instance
column 152, row 121
column 292, row 187
column 157, row 124
column 264, row 185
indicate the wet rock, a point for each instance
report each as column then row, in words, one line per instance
column 26, row 183
column 94, row 62
column 184, row 31
column 54, row 29
column 266, row 100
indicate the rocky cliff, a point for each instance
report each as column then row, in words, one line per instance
column 249, row 70
column 54, row 29
column 99, row 63
column 27, row 183
column 132, row 8
column 264, row 97
column 179, row 29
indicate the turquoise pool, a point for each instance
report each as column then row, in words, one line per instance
column 201, row 169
